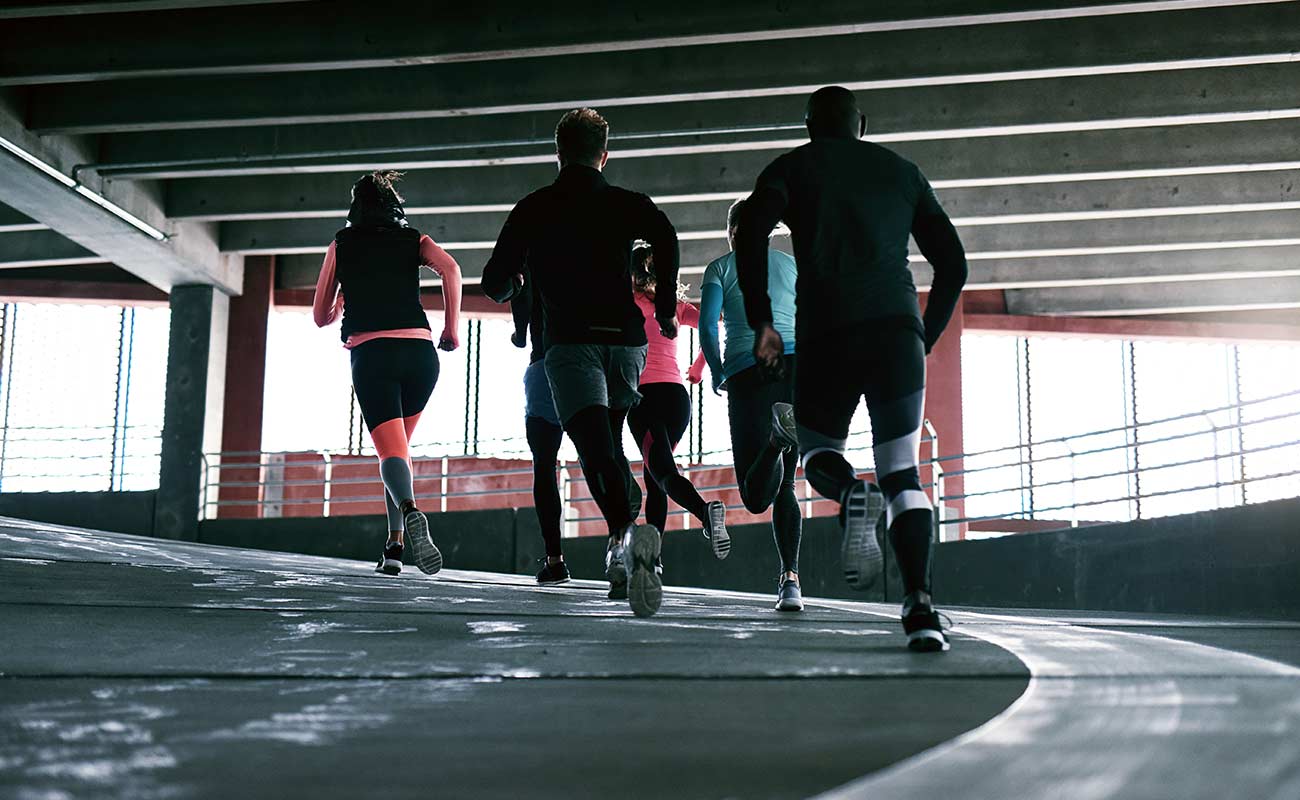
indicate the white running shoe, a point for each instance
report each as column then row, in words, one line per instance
column 715, row 529
column 860, row 555
column 427, row 557
column 645, row 589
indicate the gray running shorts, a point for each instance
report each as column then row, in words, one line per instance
column 583, row 375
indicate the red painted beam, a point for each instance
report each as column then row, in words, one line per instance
column 81, row 292
column 241, row 430
column 943, row 407
column 1130, row 328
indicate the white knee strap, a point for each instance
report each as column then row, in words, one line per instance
column 906, row 500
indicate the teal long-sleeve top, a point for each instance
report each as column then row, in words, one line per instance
column 720, row 296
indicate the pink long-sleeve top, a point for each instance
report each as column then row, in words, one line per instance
column 327, row 305
column 661, row 352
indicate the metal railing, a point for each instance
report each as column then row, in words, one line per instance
column 326, row 484
column 37, row 458
column 1173, row 451
column 1201, row 459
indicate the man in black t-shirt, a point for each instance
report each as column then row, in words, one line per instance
column 851, row 206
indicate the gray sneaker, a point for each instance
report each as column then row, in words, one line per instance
column 425, row 553
column 785, row 434
column 616, row 571
column 645, row 589
column 788, row 597
column 715, row 529
column 860, row 554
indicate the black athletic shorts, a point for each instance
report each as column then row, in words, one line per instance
column 883, row 362
column 393, row 378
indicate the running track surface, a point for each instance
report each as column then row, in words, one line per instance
column 135, row 668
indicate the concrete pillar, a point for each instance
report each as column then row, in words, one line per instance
column 943, row 401
column 245, row 379
column 196, row 362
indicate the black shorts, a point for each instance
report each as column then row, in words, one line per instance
column 882, row 362
column 393, row 378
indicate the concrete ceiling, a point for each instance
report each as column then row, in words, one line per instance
column 1099, row 158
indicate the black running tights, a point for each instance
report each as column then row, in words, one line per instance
column 544, row 441
column 596, row 432
column 657, row 424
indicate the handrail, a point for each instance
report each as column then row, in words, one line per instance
column 1130, row 426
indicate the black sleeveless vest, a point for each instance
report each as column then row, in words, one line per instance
column 379, row 272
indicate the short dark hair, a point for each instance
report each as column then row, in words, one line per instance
column 832, row 109
column 733, row 213
column 582, row 136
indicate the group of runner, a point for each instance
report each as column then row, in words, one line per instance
column 591, row 273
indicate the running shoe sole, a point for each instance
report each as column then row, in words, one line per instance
column 554, row 583
column 861, row 555
column 927, row 641
column 391, row 566
column 645, row 589
column 425, row 553
column 782, row 435
column 717, row 534
column 789, row 604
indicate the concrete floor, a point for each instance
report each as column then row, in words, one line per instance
column 135, row 668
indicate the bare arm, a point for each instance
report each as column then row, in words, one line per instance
column 442, row 263
column 327, row 303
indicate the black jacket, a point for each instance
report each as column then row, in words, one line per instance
column 572, row 241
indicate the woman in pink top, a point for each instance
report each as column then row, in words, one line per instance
column 663, row 414
column 371, row 276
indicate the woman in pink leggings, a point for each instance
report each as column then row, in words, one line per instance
column 371, row 276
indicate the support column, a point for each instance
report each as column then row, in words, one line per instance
column 245, row 390
column 943, row 402
column 196, row 362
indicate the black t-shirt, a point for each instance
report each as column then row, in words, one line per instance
column 573, row 242
column 851, row 206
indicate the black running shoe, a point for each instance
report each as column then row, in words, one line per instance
column 427, row 557
column 391, row 562
column 922, row 625
column 860, row 554
column 788, row 597
column 659, row 566
column 616, row 571
column 552, row 574
column 715, row 529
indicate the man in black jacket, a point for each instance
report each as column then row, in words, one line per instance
column 850, row 206
column 573, row 241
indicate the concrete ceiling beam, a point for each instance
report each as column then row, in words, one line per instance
column 1195, row 39
column 196, row 40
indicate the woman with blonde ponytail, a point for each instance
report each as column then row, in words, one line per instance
column 371, row 277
